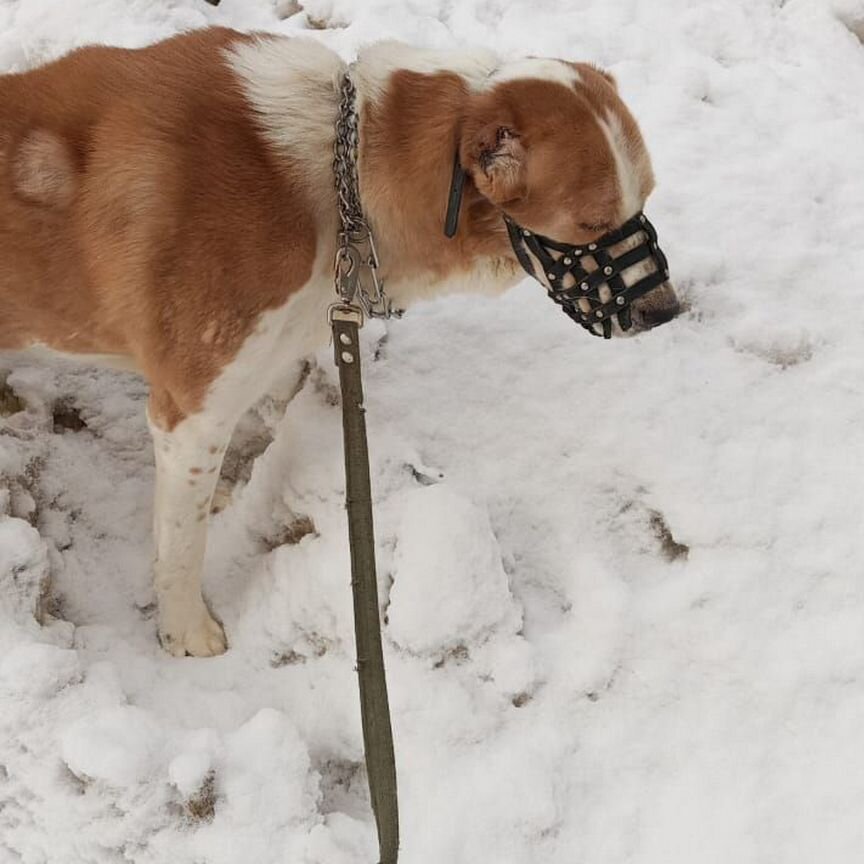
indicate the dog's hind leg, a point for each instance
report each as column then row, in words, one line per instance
column 188, row 458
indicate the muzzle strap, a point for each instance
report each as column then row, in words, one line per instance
column 560, row 260
column 618, row 287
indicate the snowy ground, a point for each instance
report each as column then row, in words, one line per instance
column 625, row 580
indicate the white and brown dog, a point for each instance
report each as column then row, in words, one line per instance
column 172, row 208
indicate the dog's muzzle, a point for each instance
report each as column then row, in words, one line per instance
column 587, row 281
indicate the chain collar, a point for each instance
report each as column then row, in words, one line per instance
column 358, row 285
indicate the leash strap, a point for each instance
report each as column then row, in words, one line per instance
column 360, row 294
column 374, row 704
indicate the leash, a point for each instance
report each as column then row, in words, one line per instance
column 355, row 259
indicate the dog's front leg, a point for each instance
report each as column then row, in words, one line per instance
column 188, row 457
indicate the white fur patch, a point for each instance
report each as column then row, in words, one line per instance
column 43, row 170
column 632, row 167
column 293, row 86
column 487, row 276
column 546, row 69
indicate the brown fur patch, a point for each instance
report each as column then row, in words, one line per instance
column 567, row 177
column 410, row 137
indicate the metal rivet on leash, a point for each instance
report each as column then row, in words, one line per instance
column 607, row 271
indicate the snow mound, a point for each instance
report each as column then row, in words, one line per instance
column 119, row 746
column 38, row 671
column 450, row 589
column 267, row 758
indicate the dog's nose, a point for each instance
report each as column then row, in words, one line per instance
column 654, row 316
column 656, row 307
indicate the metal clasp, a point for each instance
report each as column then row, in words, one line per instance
column 356, row 273
column 346, row 271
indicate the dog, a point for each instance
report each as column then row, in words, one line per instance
column 172, row 209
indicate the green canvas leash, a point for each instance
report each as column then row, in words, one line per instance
column 374, row 704
column 360, row 295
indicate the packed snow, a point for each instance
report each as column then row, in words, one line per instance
column 623, row 581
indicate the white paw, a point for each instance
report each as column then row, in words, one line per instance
column 195, row 632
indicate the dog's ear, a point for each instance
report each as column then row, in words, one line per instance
column 494, row 154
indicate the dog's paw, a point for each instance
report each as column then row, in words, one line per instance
column 198, row 635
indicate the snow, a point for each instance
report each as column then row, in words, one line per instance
column 23, row 571
column 623, row 580
column 118, row 746
column 446, row 544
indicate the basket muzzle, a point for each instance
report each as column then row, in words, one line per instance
column 575, row 276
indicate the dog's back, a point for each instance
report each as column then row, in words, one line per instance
column 135, row 186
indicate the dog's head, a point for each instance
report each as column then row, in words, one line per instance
column 552, row 145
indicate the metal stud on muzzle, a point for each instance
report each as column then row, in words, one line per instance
column 559, row 260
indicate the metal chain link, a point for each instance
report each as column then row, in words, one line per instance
column 356, row 269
